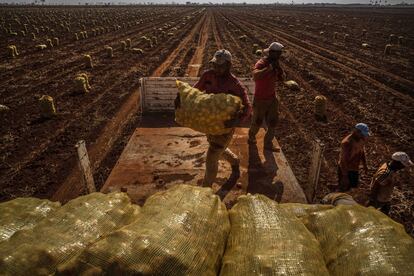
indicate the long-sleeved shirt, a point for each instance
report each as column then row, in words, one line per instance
column 382, row 185
column 265, row 87
column 209, row 82
column 352, row 154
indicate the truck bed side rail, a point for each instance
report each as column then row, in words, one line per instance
column 158, row 93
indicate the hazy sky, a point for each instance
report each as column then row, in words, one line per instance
column 205, row 1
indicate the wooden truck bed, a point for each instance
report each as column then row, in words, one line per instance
column 161, row 154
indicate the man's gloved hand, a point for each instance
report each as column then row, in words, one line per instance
column 177, row 102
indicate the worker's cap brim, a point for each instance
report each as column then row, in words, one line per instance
column 219, row 61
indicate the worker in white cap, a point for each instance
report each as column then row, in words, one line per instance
column 266, row 73
column 382, row 183
column 220, row 80
column 351, row 157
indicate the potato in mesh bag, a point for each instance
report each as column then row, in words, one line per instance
column 180, row 231
column 57, row 238
column 266, row 239
column 23, row 213
column 356, row 240
column 205, row 112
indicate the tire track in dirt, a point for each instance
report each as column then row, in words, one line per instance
column 195, row 63
column 176, row 53
column 217, row 39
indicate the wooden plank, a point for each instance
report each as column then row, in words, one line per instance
column 158, row 158
column 85, row 167
column 314, row 170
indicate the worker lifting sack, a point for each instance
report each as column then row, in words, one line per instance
column 181, row 231
column 266, row 239
column 205, row 112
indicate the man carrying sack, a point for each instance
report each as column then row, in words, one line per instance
column 266, row 73
column 220, row 80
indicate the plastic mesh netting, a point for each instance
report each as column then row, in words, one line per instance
column 265, row 239
column 23, row 213
column 181, row 231
column 56, row 239
column 356, row 240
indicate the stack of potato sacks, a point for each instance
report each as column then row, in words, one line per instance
column 205, row 112
column 49, row 235
column 181, row 231
column 187, row 230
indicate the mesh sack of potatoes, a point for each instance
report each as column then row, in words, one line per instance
column 205, row 112
column 23, row 213
column 303, row 211
column 60, row 236
column 180, row 231
column 265, row 239
column 356, row 240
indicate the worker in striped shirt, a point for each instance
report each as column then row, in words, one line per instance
column 382, row 184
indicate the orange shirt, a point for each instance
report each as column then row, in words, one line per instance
column 352, row 154
column 382, row 185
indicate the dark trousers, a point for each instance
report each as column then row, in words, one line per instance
column 346, row 182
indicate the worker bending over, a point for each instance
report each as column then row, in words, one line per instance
column 351, row 157
column 382, row 183
column 266, row 73
column 220, row 80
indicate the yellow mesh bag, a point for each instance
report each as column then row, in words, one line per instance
column 56, row 239
column 265, row 239
column 205, row 112
column 302, row 211
column 181, row 231
column 23, row 213
column 356, row 240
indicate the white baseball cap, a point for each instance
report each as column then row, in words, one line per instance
column 275, row 46
column 221, row 56
column 402, row 157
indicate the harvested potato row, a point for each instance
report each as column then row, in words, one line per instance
column 82, row 83
column 12, row 51
column 88, row 61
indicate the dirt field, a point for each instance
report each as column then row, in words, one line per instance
column 360, row 83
